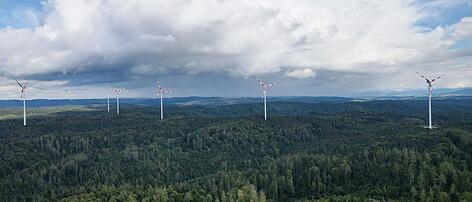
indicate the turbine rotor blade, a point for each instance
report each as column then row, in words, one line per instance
column 437, row 78
column 19, row 84
column 422, row 75
column 262, row 83
column 117, row 90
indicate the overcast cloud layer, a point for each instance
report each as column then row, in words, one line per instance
column 76, row 48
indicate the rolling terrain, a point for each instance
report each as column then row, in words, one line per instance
column 305, row 151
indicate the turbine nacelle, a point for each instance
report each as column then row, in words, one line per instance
column 23, row 86
column 265, row 85
column 430, row 81
column 161, row 90
column 117, row 90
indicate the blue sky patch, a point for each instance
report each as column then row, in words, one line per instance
column 462, row 44
column 445, row 16
column 18, row 13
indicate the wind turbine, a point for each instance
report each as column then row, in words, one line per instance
column 117, row 91
column 108, row 98
column 160, row 92
column 23, row 95
column 265, row 85
column 430, row 94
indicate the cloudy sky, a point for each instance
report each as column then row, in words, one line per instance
column 77, row 48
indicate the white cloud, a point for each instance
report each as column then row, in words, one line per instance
column 238, row 38
column 301, row 74
column 463, row 29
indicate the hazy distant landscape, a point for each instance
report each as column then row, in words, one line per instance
column 441, row 94
column 307, row 150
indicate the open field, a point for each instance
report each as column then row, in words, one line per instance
column 15, row 113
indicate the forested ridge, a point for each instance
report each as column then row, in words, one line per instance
column 305, row 152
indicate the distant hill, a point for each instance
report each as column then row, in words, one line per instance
column 218, row 101
column 461, row 92
column 417, row 93
column 184, row 101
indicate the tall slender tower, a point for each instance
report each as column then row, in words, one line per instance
column 117, row 104
column 265, row 85
column 108, row 100
column 430, row 95
column 24, row 107
column 162, row 108
column 117, row 91
column 160, row 92
column 23, row 95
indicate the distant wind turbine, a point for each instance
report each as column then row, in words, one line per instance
column 117, row 91
column 108, row 98
column 265, row 85
column 430, row 94
column 23, row 95
column 160, row 92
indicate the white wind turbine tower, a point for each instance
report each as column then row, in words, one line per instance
column 265, row 86
column 160, row 92
column 117, row 91
column 430, row 94
column 108, row 98
column 108, row 101
column 23, row 95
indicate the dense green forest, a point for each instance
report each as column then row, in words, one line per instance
column 352, row 151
